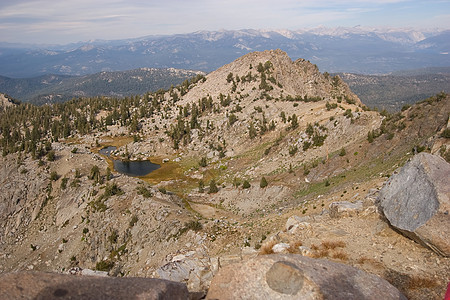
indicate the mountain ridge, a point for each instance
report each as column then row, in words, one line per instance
column 57, row 88
column 336, row 50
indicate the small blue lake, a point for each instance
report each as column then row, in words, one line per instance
column 131, row 168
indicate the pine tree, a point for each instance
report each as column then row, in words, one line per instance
column 252, row 130
column 263, row 183
column 95, row 174
column 201, row 186
column 212, row 187
column 246, row 184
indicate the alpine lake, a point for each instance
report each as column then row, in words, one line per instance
column 135, row 168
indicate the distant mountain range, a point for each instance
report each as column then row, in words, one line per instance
column 57, row 88
column 354, row 50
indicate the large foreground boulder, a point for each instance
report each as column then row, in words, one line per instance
column 416, row 201
column 38, row 285
column 291, row 276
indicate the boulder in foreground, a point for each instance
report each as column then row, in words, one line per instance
column 416, row 201
column 291, row 276
column 39, row 285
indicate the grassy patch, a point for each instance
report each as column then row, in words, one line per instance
column 363, row 172
column 266, row 248
column 168, row 171
column 104, row 265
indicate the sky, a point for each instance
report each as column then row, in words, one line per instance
column 67, row 21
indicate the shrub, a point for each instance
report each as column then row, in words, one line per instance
column 112, row 238
column 75, row 183
column 246, row 184
column 294, row 247
column 318, row 139
column 202, row 162
column 306, row 145
column 98, row 205
column 293, row 150
column 54, row 176
column 193, row 225
column 133, row 220
column 212, row 187
column 333, row 244
column 95, row 174
column 252, row 131
column 236, row 182
column 342, row 152
column 348, row 113
column 111, row 190
column 370, row 136
column 263, row 183
column 104, row 265
column 51, row 156
column 142, row 190
column 64, row 183
column 108, row 174
column 232, row 119
column 201, row 186
column 340, row 255
column 266, row 248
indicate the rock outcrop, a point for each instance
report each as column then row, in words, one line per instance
column 297, row 277
column 416, row 201
column 296, row 78
column 345, row 209
column 38, row 285
column 5, row 101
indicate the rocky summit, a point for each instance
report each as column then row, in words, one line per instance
column 264, row 156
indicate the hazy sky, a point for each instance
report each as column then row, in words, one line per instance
column 65, row 21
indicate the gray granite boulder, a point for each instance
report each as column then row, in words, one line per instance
column 39, row 285
column 291, row 276
column 416, row 201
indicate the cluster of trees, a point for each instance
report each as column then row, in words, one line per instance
column 213, row 188
column 31, row 129
column 315, row 134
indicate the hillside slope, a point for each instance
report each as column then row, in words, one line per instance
column 240, row 154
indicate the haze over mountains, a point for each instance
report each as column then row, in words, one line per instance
column 58, row 88
column 356, row 50
column 392, row 92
